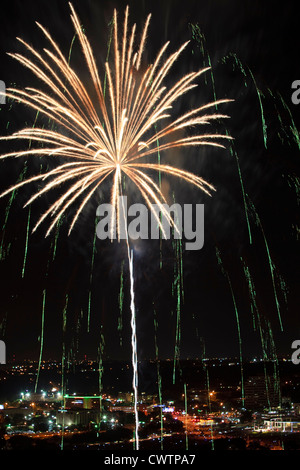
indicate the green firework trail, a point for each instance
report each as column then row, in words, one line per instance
column 26, row 241
column 64, row 319
column 274, row 358
column 237, row 63
column 294, row 183
column 240, row 340
column 252, row 294
column 8, row 207
column 159, row 183
column 177, row 339
column 55, row 241
column 64, row 327
column 199, row 38
column 267, row 341
column 111, row 26
column 283, row 133
column 70, row 51
column 41, row 341
column 234, row 153
column 159, row 379
column 91, row 278
column 260, row 96
column 293, row 127
column 101, row 369
column 205, row 368
column 27, row 234
column 225, row 273
column 63, row 395
column 13, row 195
column 89, row 311
column 186, row 414
column 63, row 360
column 270, row 261
column 121, row 302
column 178, row 293
column 34, row 124
column 77, row 329
column 249, row 207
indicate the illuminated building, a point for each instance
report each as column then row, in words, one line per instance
column 81, row 402
column 77, row 417
column 279, row 424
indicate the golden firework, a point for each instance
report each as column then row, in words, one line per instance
column 99, row 138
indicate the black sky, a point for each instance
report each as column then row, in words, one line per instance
column 264, row 37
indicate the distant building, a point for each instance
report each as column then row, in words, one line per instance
column 126, row 397
column 199, row 396
column 261, row 392
column 123, row 408
column 77, row 417
column 15, row 411
column 82, row 402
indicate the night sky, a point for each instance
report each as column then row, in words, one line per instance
column 253, row 49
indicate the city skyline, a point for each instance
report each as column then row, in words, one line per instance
column 69, row 297
column 192, row 415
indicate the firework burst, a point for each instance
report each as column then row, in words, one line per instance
column 101, row 139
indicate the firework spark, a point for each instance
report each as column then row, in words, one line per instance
column 99, row 140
